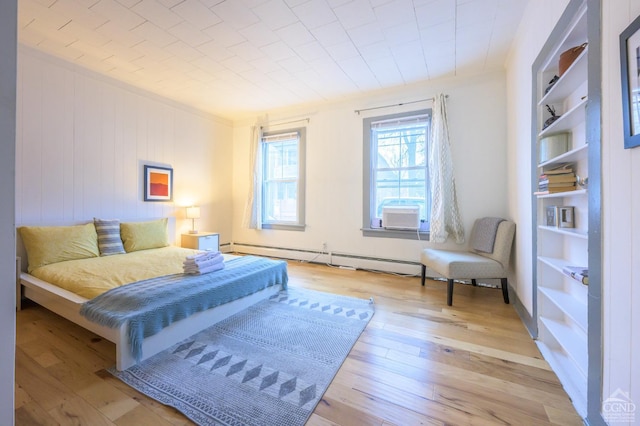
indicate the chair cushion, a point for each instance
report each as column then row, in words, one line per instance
column 461, row 264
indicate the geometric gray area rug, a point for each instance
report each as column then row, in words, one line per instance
column 267, row 365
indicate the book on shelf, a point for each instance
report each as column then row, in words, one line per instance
column 578, row 273
column 546, row 189
column 560, row 169
column 565, row 177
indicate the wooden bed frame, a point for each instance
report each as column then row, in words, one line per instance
column 67, row 305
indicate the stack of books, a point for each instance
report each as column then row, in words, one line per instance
column 561, row 179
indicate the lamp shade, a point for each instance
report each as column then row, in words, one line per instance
column 193, row 212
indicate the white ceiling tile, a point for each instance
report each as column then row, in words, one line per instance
column 170, row 3
column 121, row 63
column 366, row 35
column 330, row 34
column 314, row 14
column 224, row 34
column 278, row 51
column 115, row 32
column 396, row 12
column 47, row 18
column 215, row 50
column 128, row 3
column 197, row 14
column 211, row 3
column 275, row 14
column 295, row 34
column 75, row 10
column 237, row 64
column 294, row 3
column 150, row 31
column 259, row 34
column 436, row 13
column 117, row 13
column 265, row 65
column 247, row 51
column 123, row 52
column 186, row 32
column 61, row 50
column 156, row 13
column 444, row 31
column 355, row 14
column 183, row 51
column 150, row 49
column 294, row 64
column 235, row 14
column 386, row 71
column 476, row 11
column 359, row 73
column 80, row 32
column 403, row 33
column 207, row 64
column 375, row 51
column 337, row 3
column 342, row 51
column 311, row 51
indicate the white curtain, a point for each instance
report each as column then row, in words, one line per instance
column 253, row 208
column 445, row 218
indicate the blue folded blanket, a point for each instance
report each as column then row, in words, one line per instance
column 153, row 304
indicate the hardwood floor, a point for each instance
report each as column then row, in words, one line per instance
column 419, row 362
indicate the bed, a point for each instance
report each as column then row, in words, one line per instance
column 126, row 257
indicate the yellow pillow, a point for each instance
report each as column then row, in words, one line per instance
column 52, row 244
column 144, row 235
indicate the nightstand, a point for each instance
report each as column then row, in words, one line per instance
column 201, row 241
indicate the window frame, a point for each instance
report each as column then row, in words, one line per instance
column 301, row 181
column 367, row 191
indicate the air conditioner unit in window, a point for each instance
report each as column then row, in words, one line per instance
column 406, row 217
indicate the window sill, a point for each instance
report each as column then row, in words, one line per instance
column 395, row 233
column 282, row 227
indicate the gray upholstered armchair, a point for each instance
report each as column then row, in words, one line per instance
column 488, row 256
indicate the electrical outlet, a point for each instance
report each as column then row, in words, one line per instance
column 324, row 246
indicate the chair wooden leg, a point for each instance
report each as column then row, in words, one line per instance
column 449, row 292
column 474, row 282
column 505, row 290
column 424, row 271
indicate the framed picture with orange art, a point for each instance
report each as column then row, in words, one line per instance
column 158, row 183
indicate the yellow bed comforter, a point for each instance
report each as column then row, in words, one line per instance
column 93, row 276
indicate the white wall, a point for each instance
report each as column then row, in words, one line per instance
column 477, row 122
column 620, row 219
column 538, row 21
column 8, row 40
column 82, row 141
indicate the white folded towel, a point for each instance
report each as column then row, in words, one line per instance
column 204, row 255
column 203, row 263
column 207, row 269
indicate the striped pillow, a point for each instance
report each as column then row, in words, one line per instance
column 109, row 241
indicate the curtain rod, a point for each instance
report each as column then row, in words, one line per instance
column 286, row 122
column 358, row 111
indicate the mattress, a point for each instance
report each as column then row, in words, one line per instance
column 91, row 277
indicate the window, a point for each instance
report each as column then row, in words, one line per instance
column 283, row 155
column 395, row 169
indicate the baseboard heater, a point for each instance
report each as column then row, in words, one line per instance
column 351, row 261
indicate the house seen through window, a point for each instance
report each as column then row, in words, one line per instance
column 396, row 159
column 283, row 179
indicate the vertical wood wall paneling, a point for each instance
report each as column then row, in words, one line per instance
column 53, row 143
column 82, row 141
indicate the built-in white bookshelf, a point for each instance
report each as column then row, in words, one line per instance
column 562, row 301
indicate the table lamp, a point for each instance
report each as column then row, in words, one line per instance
column 193, row 213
